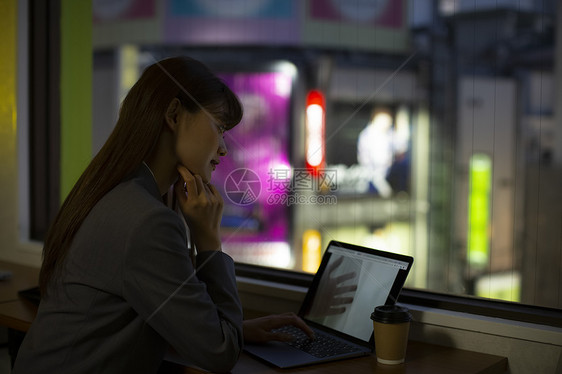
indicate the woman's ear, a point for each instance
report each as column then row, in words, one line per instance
column 173, row 113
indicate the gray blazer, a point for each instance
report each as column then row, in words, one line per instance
column 130, row 291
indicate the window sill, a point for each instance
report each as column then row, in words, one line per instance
column 292, row 287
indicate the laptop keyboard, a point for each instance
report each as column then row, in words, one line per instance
column 322, row 346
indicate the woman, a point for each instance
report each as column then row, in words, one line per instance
column 119, row 282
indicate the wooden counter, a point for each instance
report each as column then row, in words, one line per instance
column 18, row 314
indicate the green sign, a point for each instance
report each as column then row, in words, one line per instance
column 479, row 210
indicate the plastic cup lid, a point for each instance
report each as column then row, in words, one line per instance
column 391, row 314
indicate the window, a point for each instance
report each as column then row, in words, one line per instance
column 441, row 148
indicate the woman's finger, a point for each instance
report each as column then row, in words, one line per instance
column 214, row 193
column 297, row 322
column 294, row 320
column 189, row 180
column 201, row 188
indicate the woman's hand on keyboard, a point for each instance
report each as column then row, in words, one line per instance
column 261, row 330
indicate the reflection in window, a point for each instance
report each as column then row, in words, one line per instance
column 402, row 123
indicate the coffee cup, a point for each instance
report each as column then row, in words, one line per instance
column 391, row 325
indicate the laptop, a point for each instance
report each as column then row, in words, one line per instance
column 350, row 282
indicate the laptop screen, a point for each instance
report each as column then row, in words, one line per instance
column 351, row 284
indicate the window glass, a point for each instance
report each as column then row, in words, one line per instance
column 253, row 178
column 402, row 127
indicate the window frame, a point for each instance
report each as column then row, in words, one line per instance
column 44, row 115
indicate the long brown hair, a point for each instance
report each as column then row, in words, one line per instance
column 141, row 118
